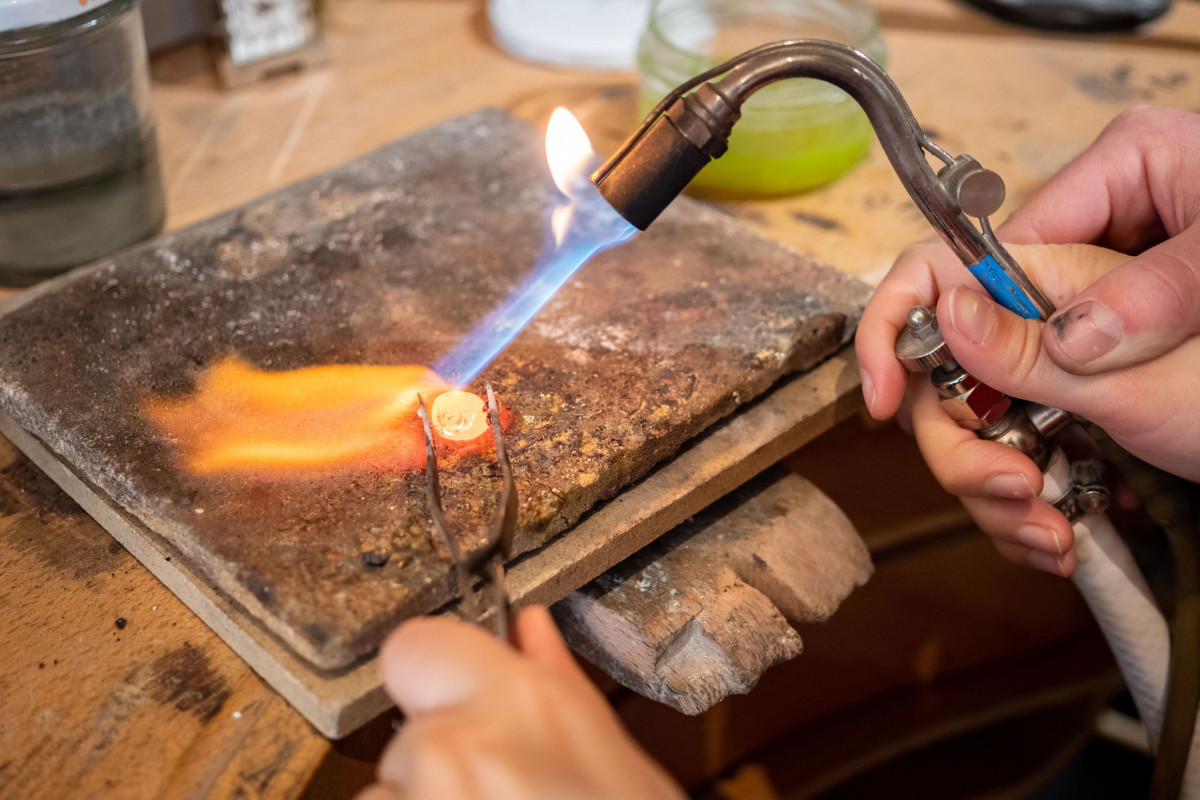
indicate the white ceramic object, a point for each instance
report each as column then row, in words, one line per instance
column 596, row 34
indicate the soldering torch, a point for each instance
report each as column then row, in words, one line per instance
column 691, row 126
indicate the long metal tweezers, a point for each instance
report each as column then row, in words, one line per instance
column 484, row 563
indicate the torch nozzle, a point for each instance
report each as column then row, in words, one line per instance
column 659, row 164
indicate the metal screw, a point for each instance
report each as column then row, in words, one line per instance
column 919, row 319
column 1092, row 499
column 920, row 346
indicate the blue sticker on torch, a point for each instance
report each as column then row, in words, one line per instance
column 1002, row 289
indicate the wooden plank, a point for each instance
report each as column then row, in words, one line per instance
column 338, row 703
column 157, row 708
column 703, row 612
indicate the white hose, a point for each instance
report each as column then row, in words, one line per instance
column 1121, row 601
column 1115, row 591
column 1117, row 594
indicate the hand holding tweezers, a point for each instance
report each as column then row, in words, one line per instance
column 484, row 563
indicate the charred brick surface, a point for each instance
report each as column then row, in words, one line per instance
column 390, row 259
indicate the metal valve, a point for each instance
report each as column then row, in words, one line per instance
column 972, row 188
column 920, row 346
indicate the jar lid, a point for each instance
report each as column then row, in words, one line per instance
column 17, row 14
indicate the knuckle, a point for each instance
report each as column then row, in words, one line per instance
column 921, row 251
column 1025, row 351
column 1170, row 288
column 952, row 483
column 1135, row 120
column 950, row 471
column 1151, row 127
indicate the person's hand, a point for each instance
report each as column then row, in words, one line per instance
column 486, row 721
column 1121, row 350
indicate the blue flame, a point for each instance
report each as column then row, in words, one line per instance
column 594, row 226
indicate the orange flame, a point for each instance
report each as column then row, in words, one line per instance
column 568, row 153
column 303, row 422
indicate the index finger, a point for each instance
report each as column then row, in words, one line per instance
column 1128, row 190
column 920, row 273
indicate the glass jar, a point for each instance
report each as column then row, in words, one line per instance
column 793, row 135
column 79, row 169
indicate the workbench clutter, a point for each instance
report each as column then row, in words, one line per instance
column 79, row 168
column 156, row 387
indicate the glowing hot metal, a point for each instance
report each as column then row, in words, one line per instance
column 458, row 416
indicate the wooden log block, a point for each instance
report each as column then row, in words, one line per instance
column 703, row 612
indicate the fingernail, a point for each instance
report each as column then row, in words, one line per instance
column 1057, row 542
column 971, row 314
column 1047, row 562
column 1009, row 484
column 1087, row 331
column 868, row 388
column 1039, row 538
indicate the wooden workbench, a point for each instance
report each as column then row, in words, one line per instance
column 78, row 612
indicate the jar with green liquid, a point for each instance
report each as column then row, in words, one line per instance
column 793, row 135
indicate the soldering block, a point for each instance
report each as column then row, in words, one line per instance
column 390, row 259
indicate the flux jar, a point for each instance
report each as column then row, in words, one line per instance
column 793, row 135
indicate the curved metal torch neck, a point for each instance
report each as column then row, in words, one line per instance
column 889, row 114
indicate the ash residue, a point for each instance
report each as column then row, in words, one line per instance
column 1123, row 84
column 184, row 678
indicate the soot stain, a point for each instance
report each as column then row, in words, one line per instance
column 184, row 678
column 261, row 778
column 23, row 486
column 60, row 538
column 1123, row 85
column 817, row 221
column 1062, row 322
column 258, row 587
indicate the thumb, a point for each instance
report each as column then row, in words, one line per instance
column 1004, row 350
column 430, row 662
column 1137, row 312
